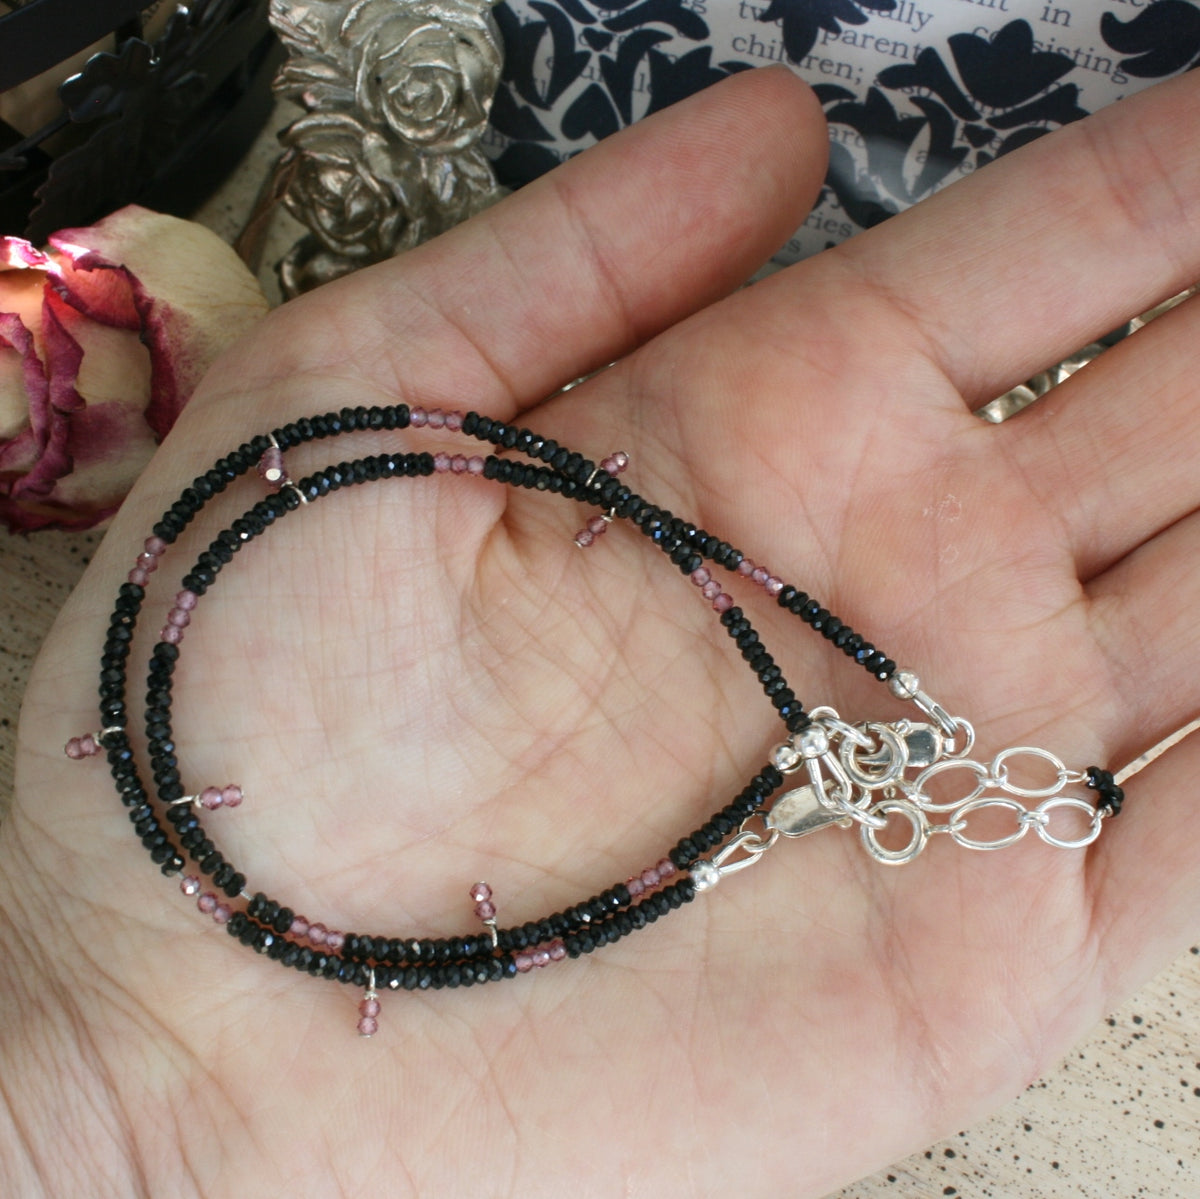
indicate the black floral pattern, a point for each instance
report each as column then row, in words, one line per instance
column 995, row 95
column 802, row 20
column 1163, row 39
column 611, row 47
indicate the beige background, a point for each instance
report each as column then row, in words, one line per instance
column 1120, row 1117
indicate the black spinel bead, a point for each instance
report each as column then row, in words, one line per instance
column 236, row 924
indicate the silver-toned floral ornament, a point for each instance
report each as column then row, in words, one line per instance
column 397, row 94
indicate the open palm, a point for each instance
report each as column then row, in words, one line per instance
column 421, row 684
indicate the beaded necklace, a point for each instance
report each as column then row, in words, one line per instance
column 865, row 775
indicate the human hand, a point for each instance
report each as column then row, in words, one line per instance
column 424, row 684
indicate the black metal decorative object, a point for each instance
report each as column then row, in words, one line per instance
column 156, row 121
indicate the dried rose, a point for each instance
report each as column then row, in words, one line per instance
column 103, row 338
column 428, row 70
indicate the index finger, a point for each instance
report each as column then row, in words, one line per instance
column 582, row 265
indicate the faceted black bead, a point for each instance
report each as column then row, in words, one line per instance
column 730, row 617
column 263, row 941
column 236, row 885
column 283, row 920
column 236, row 924
column 797, row 721
column 863, row 652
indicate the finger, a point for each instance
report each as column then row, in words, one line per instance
column 1042, row 252
column 1114, row 449
column 1143, row 614
column 1145, row 872
column 584, row 264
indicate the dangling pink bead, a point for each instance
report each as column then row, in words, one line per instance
column 270, row 466
column 81, row 747
column 368, row 1026
column 584, row 538
column 597, row 525
column 480, row 892
column 369, row 1007
column 231, row 795
column 621, row 459
column 210, row 798
column 485, row 910
column 189, row 885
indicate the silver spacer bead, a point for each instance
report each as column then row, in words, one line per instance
column 812, row 742
column 785, row 757
column 904, row 684
column 705, row 875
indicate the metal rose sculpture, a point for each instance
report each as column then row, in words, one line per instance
column 397, row 94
